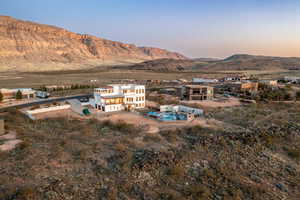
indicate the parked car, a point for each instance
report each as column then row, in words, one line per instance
column 42, row 94
column 84, row 99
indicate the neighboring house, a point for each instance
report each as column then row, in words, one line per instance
column 269, row 82
column 234, row 78
column 238, row 87
column 203, row 80
column 27, row 93
column 230, row 79
column 118, row 97
column 196, row 92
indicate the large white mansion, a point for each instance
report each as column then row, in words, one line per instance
column 119, row 97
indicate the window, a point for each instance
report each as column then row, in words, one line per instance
column 129, row 99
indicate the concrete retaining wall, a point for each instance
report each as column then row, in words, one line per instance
column 42, row 110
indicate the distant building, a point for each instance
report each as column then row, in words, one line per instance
column 27, row 93
column 233, row 78
column 196, row 92
column 203, row 80
column 292, row 79
column 269, row 82
column 230, row 79
column 118, row 97
column 238, row 87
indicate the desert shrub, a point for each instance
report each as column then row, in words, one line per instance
column 294, row 153
column 1, row 97
column 35, row 107
column 197, row 192
column 80, row 154
column 273, row 94
column 177, row 172
column 23, row 145
column 28, row 192
column 253, row 191
column 170, row 135
column 169, row 194
column 151, row 138
column 120, row 126
column 120, row 147
column 297, row 96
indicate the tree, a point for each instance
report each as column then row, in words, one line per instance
column 298, row 95
column 19, row 95
column 1, row 96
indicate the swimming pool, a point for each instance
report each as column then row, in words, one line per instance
column 168, row 116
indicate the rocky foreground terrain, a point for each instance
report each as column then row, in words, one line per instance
column 28, row 46
column 253, row 153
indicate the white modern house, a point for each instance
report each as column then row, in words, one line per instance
column 118, row 97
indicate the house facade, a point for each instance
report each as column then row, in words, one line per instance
column 119, row 97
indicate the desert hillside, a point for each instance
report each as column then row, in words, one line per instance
column 238, row 62
column 252, row 62
column 162, row 65
column 28, row 46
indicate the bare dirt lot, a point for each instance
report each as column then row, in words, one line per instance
column 218, row 103
column 67, row 113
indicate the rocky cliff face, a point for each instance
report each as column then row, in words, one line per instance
column 28, row 46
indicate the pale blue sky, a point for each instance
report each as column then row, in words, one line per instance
column 196, row 28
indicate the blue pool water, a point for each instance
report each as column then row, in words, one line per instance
column 166, row 116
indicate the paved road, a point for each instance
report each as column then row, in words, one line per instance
column 45, row 101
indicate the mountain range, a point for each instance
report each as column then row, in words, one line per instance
column 29, row 46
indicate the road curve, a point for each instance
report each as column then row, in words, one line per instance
column 40, row 102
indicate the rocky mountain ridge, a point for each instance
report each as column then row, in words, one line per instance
column 29, row 46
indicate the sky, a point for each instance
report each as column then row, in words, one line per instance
column 195, row 28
